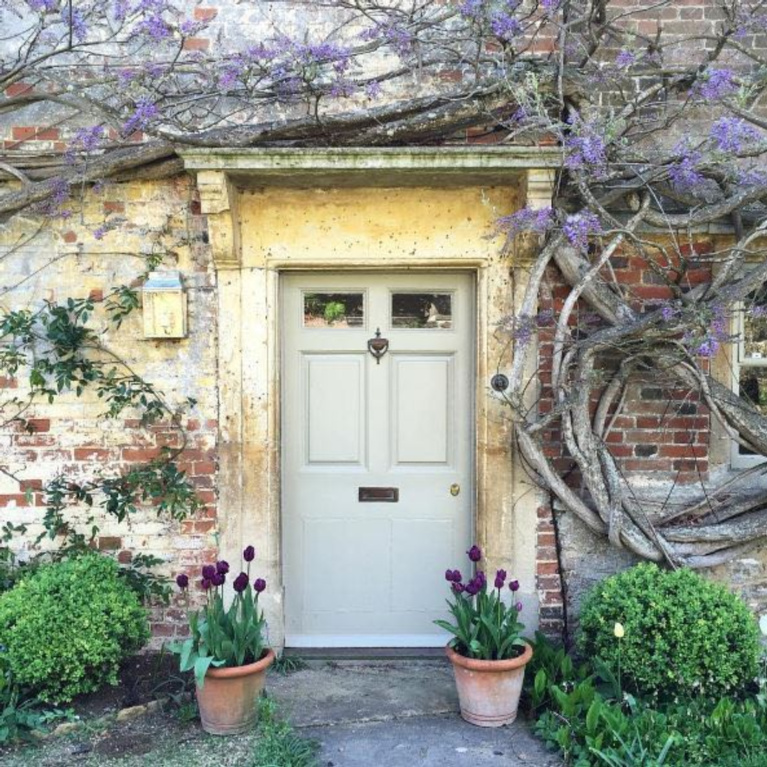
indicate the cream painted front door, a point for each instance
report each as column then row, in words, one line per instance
column 377, row 454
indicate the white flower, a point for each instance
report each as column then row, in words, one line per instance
column 619, row 631
column 763, row 625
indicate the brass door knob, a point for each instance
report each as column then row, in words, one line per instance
column 455, row 488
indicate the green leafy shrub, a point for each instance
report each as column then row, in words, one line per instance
column 584, row 713
column 684, row 635
column 67, row 627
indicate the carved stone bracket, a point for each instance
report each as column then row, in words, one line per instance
column 540, row 187
column 218, row 200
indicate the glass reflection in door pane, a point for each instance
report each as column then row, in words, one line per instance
column 334, row 310
column 422, row 310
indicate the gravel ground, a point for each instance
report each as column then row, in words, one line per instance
column 363, row 714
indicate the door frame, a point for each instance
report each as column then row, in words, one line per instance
column 235, row 188
column 339, row 640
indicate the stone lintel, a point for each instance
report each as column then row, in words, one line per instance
column 366, row 166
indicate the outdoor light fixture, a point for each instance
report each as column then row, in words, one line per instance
column 164, row 302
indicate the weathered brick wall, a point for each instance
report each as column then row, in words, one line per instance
column 69, row 437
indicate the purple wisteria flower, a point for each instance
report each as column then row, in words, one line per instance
column 154, row 27
column 182, row 581
column 538, row 220
column 395, row 34
column 471, row 8
column 73, row 18
column 259, row 585
column 475, row 553
column 505, row 27
column 625, row 59
column 684, row 175
column 586, row 148
column 500, row 579
column 373, row 89
column 240, row 583
column 731, row 134
column 249, row 554
column 580, row 226
column 708, row 347
column 668, row 313
column 42, row 5
column 146, row 111
column 59, row 194
column 715, row 84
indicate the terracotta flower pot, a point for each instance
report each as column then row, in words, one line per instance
column 489, row 690
column 228, row 700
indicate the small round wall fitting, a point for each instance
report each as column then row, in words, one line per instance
column 499, row 382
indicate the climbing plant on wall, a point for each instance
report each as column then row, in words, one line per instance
column 657, row 115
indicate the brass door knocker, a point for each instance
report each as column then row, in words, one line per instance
column 378, row 346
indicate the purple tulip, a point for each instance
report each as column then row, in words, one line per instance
column 208, row 571
column 218, row 579
column 480, row 578
column 449, row 575
column 205, row 584
column 222, row 567
column 182, row 581
column 457, row 577
column 249, row 554
column 518, row 606
column 500, row 579
column 472, row 587
column 458, row 588
column 240, row 583
column 514, row 585
column 475, row 553
column 259, row 585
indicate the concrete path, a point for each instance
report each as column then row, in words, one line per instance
column 397, row 714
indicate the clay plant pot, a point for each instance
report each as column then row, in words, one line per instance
column 489, row 690
column 228, row 700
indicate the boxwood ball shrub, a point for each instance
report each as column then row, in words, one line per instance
column 684, row 635
column 67, row 627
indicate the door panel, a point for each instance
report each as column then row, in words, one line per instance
column 420, row 409
column 335, row 419
column 362, row 573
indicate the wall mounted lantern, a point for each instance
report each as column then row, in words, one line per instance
column 164, row 303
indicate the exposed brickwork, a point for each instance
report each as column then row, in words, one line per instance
column 662, row 430
column 548, row 581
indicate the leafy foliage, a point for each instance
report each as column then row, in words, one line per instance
column 21, row 714
column 278, row 744
column 583, row 713
column 67, row 627
column 684, row 635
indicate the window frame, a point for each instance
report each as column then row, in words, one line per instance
column 738, row 360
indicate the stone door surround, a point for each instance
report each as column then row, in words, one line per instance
column 276, row 210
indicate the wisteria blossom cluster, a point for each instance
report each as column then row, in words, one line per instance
column 485, row 627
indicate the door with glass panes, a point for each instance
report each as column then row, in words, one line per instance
column 377, row 454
